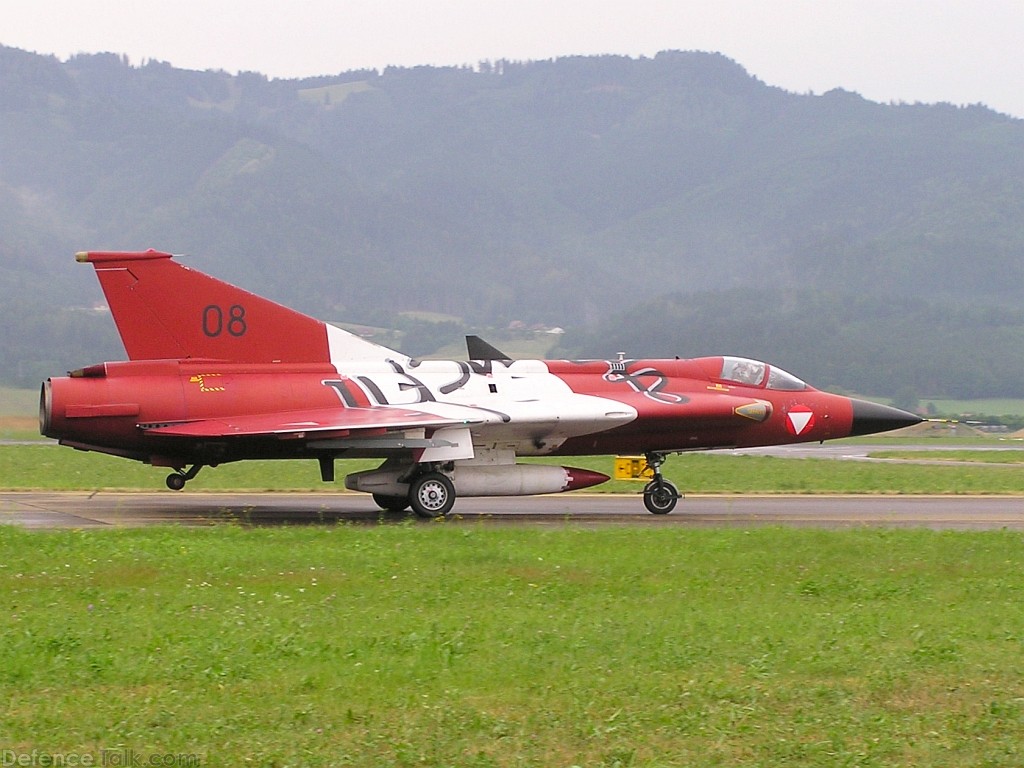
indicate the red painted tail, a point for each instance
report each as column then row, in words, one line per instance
column 164, row 310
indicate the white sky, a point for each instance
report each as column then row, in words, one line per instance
column 960, row 51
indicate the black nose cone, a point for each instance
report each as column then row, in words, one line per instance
column 869, row 418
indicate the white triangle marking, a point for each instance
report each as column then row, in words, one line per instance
column 800, row 420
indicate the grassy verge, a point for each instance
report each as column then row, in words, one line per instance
column 25, row 467
column 1008, row 456
column 439, row 645
column 18, row 402
column 20, row 428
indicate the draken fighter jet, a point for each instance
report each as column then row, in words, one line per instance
column 216, row 374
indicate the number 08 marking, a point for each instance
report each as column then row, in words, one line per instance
column 215, row 322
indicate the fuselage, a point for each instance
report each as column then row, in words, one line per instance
column 528, row 407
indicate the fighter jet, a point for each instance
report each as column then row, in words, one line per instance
column 216, row 374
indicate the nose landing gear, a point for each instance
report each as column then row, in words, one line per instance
column 660, row 496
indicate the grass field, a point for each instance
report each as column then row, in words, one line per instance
column 446, row 646
column 19, row 428
column 18, row 402
column 989, row 407
column 426, row 644
column 1007, row 456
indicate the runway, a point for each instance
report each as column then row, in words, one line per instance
column 45, row 510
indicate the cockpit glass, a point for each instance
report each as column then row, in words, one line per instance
column 752, row 373
column 779, row 379
column 743, row 371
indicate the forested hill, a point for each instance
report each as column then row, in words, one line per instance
column 606, row 195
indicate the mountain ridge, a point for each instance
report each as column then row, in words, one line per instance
column 565, row 192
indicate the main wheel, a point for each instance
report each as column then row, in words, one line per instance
column 432, row 495
column 660, row 497
column 391, row 503
column 176, row 481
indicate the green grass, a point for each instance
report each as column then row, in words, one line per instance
column 930, row 440
column 1008, row 456
column 445, row 645
column 56, row 468
column 19, row 402
column 989, row 407
column 20, row 430
column 19, row 414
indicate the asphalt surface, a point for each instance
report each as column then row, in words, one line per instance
column 84, row 510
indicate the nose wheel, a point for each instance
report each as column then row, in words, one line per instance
column 660, row 496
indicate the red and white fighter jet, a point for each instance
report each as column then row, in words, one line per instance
column 216, row 374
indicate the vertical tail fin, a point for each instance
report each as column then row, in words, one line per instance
column 164, row 310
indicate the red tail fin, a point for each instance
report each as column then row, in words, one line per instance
column 164, row 310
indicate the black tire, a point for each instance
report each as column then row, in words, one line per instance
column 175, row 481
column 660, row 497
column 432, row 495
column 391, row 503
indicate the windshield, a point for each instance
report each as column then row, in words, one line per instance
column 779, row 379
column 752, row 373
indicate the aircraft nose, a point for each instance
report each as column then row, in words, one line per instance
column 869, row 418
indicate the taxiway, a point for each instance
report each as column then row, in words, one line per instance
column 85, row 510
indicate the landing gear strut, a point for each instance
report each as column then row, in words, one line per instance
column 660, row 496
column 176, row 480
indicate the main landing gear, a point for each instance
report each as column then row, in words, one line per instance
column 431, row 495
column 660, row 496
column 176, row 480
column 429, row 490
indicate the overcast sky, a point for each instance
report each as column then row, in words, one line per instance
column 960, row 51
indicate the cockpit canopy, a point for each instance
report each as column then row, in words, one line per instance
column 752, row 373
